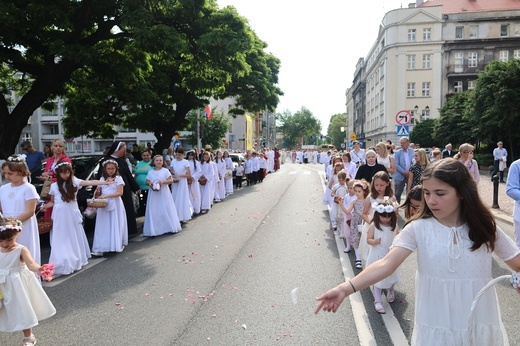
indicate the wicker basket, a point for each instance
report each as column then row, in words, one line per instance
column 44, row 225
column 97, row 203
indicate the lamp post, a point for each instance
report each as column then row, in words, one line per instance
column 425, row 112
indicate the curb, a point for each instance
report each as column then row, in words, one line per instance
column 502, row 217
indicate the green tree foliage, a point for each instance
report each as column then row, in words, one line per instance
column 211, row 131
column 454, row 124
column 144, row 67
column 337, row 122
column 298, row 128
column 496, row 99
column 423, row 133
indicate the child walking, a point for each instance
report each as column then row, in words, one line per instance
column 349, row 197
column 70, row 250
column 339, row 191
column 161, row 214
column 239, row 174
column 111, row 232
column 380, row 236
column 18, row 200
column 356, row 209
column 455, row 236
column 25, row 302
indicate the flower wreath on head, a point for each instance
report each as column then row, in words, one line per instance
column 110, row 161
column 17, row 227
column 383, row 208
column 17, row 158
column 361, row 184
column 63, row 163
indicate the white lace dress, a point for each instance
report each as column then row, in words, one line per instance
column 180, row 190
column 446, row 285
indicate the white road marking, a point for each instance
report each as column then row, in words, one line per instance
column 293, row 172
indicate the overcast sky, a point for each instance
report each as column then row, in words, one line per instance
column 318, row 43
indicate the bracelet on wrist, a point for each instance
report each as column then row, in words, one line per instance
column 351, row 285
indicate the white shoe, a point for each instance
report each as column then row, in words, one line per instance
column 97, row 254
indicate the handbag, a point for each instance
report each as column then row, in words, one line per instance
column 203, row 181
column 46, row 188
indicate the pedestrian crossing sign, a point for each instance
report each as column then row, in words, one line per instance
column 402, row 130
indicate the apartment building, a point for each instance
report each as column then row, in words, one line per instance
column 422, row 55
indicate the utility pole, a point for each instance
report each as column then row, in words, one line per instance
column 199, row 140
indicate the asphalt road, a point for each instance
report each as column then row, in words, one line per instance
column 244, row 274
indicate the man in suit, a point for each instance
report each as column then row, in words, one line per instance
column 403, row 160
column 117, row 153
column 448, row 151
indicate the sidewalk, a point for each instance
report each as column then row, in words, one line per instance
column 506, row 204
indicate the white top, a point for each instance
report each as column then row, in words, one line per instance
column 446, row 285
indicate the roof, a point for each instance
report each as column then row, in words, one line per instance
column 463, row 6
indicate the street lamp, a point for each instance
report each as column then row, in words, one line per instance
column 425, row 112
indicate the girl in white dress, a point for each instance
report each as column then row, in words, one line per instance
column 228, row 177
column 455, row 236
column 221, row 171
column 216, row 180
column 384, row 158
column 18, row 200
column 70, row 250
column 380, row 236
column 23, row 296
column 207, row 175
column 193, row 181
column 180, row 191
column 111, row 232
column 161, row 215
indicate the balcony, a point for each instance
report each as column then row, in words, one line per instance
column 463, row 69
column 50, row 118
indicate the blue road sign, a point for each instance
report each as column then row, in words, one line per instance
column 176, row 144
column 402, row 130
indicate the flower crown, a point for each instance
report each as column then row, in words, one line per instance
column 110, row 161
column 63, row 163
column 364, row 186
column 17, row 227
column 17, row 158
column 383, row 208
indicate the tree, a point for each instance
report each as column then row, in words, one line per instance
column 298, row 129
column 453, row 125
column 495, row 102
column 42, row 44
column 337, row 122
column 423, row 133
column 212, row 131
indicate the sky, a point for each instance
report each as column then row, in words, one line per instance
column 318, row 44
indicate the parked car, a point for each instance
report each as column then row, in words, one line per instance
column 85, row 167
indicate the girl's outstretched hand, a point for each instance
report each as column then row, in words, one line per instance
column 331, row 300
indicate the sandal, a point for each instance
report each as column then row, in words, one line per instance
column 29, row 341
column 379, row 308
column 358, row 264
column 390, row 296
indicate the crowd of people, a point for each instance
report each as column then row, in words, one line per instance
column 453, row 232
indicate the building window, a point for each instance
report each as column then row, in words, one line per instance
column 517, row 30
column 472, row 59
column 426, row 89
column 471, row 84
column 504, row 30
column 426, row 113
column 516, row 54
column 457, row 87
column 427, row 34
column 504, row 56
column 459, row 32
column 410, row 91
column 411, row 35
column 459, row 62
column 426, row 61
column 411, row 62
column 382, row 96
column 473, row 31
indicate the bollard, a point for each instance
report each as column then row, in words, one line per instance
column 495, row 192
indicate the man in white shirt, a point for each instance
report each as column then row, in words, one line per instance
column 500, row 159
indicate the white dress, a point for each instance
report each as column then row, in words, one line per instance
column 161, row 215
column 194, row 187
column 214, row 182
column 221, row 185
column 180, row 191
column 69, row 245
column 12, row 200
column 111, row 233
column 446, row 285
column 229, row 175
column 379, row 251
column 206, row 192
column 25, row 301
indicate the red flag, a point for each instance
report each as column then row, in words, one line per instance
column 207, row 112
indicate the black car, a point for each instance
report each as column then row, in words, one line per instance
column 85, row 167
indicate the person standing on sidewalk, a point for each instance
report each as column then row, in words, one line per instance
column 513, row 191
column 500, row 159
column 403, row 160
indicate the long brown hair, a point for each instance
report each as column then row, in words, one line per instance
column 383, row 176
column 377, row 216
column 481, row 224
column 66, row 187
